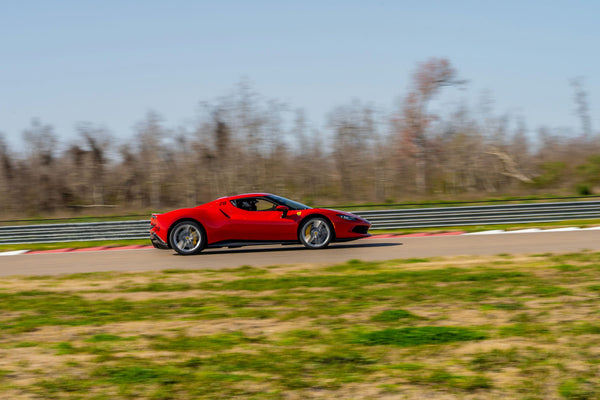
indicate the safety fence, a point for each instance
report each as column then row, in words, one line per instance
column 381, row 219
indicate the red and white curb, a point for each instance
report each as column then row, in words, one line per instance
column 70, row 250
column 382, row 236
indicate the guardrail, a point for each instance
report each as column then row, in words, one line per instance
column 382, row 219
column 481, row 215
column 75, row 232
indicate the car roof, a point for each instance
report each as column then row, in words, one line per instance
column 239, row 196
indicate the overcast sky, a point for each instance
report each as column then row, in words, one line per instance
column 109, row 62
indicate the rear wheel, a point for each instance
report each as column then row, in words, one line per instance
column 187, row 238
column 315, row 233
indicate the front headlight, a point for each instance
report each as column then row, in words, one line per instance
column 347, row 217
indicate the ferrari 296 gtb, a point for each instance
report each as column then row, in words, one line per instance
column 251, row 219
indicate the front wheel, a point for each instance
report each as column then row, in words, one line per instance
column 187, row 238
column 315, row 233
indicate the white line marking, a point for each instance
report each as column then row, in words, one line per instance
column 573, row 228
column 535, row 230
column 13, row 253
column 494, row 232
column 532, row 230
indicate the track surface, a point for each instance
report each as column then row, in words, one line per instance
column 368, row 250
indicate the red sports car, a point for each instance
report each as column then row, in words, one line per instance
column 250, row 219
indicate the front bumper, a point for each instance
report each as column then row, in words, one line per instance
column 345, row 231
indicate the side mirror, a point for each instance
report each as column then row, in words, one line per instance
column 284, row 210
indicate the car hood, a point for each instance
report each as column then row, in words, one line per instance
column 348, row 214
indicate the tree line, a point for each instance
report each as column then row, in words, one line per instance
column 243, row 143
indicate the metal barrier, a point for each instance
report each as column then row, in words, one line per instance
column 481, row 215
column 381, row 219
column 75, row 232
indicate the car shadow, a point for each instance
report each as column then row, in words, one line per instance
column 292, row 247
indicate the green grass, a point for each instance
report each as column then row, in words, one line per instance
column 582, row 223
column 449, row 203
column 393, row 316
column 496, row 359
column 509, row 306
column 210, row 343
column 414, row 328
column 443, row 378
column 418, row 336
column 147, row 373
column 578, row 389
column 105, row 337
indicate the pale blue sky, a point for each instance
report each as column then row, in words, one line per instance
column 108, row 62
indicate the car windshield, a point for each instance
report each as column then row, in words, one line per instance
column 293, row 205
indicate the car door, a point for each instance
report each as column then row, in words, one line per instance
column 255, row 219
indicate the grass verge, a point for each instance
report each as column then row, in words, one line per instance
column 491, row 327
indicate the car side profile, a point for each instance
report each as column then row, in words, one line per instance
column 252, row 219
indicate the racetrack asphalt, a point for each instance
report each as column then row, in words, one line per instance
column 384, row 248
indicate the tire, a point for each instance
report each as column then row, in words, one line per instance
column 187, row 238
column 315, row 233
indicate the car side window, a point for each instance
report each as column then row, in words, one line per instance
column 265, row 205
column 254, row 204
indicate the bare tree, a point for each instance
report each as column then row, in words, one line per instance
column 583, row 109
column 149, row 137
column 511, row 168
column 97, row 141
column 40, row 188
column 353, row 126
column 243, row 142
column 128, row 176
column 6, row 176
column 427, row 81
